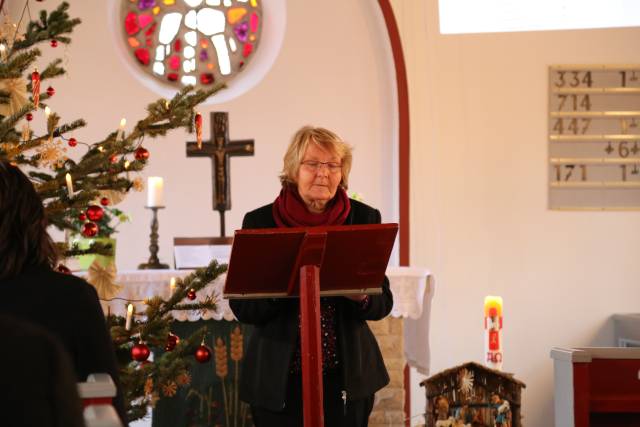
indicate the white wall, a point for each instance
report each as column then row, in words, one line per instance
column 333, row 71
column 479, row 212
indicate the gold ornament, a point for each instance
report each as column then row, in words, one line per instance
column 138, row 184
column 103, row 279
column 52, row 152
column 170, row 389
column 10, row 32
column 18, row 98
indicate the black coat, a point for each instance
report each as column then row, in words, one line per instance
column 38, row 386
column 267, row 362
column 68, row 308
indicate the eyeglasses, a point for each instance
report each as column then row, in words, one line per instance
column 314, row 166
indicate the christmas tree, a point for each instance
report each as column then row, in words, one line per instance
column 76, row 188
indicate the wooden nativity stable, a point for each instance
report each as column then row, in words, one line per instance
column 472, row 395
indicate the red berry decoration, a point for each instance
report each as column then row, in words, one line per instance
column 54, row 43
column 51, row 91
column 104, row 201
column 95, row 213
column 113, row 159
column 72, row 142
column 61, row 268
column 203, row 354
column 191, row 294
column 82, row 217
column 29, row 117
column 141, row 154
column 140, row 352
column 89, row 229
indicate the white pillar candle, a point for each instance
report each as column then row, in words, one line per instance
column 69, row 184
column 127, row 324
column 155, row 186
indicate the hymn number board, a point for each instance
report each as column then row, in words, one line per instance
column 594, row 137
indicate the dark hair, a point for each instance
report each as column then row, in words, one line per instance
column 24, row 240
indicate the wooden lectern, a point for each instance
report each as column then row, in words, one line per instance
column 309, row 262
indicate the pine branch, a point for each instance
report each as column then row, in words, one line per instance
column 18, row 64
column 49, row 27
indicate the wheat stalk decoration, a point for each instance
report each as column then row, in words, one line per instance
column 236, row 356
column 222, row 369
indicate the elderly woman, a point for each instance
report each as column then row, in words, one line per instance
column 314, row 180
column 65, row 306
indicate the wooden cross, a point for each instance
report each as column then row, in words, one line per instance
column 219, row 149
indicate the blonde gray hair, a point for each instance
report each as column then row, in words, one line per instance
column 322, row 138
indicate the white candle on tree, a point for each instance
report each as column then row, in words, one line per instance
column 127, row 324
column 69, row 184
column 123, row 123
column 172, row 286
column 155, row 186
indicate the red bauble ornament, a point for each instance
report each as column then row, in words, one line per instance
column 172, row 342
column 113, row 159
column 61, row 268
column 95, row 213
column 140, row 352
column 72, row 142
column 203, row 354
column 51, row 91
column 89, row 229
column 82, row 217
column 141, row 154
column 104, row 201
column 29, row 117
column 54, row 43
column 191, row 294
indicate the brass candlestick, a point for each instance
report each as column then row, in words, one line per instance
column 154, row 262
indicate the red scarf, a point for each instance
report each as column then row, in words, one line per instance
column 289, row 210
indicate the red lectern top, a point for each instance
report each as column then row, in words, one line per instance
column 352, row 259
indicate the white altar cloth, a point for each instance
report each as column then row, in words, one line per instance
column 412, row 290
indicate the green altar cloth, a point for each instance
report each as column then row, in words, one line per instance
column 211, row 399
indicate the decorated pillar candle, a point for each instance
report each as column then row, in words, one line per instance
column 493, row 332
column 155, row 186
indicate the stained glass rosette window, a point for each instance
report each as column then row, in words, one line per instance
column 197, row 42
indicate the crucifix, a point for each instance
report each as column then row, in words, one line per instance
column 220, row 149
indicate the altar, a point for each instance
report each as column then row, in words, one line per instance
column 211, row 396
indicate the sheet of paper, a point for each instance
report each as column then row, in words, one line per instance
column 196, row 256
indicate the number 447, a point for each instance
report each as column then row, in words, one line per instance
column 574, row 126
